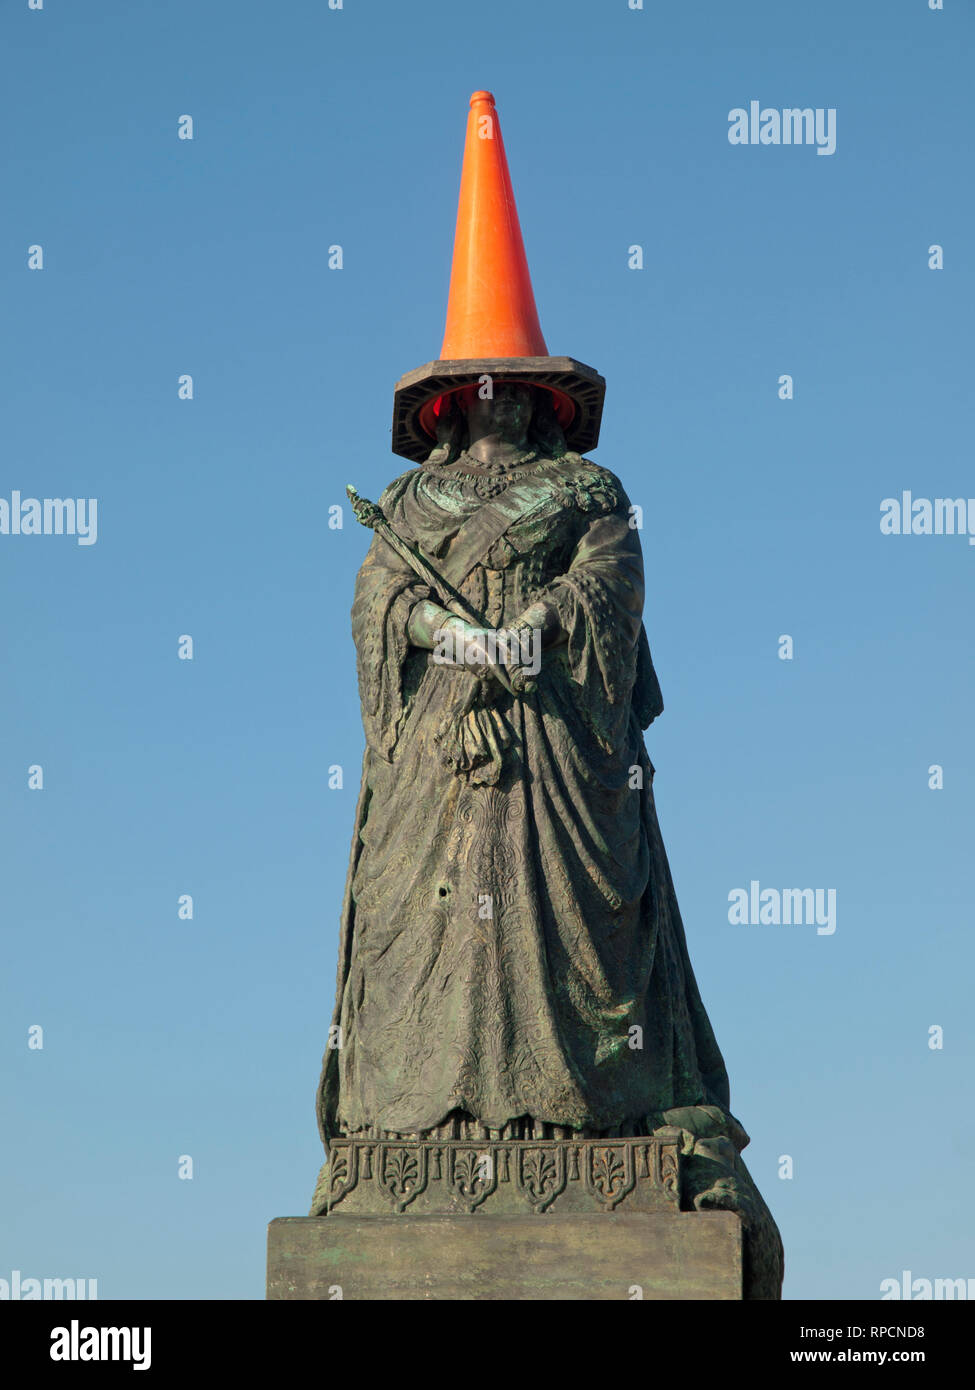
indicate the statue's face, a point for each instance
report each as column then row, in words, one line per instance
column 508, row 413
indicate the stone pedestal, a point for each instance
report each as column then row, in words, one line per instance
column 664, row 1254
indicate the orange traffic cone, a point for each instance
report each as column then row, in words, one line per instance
column 491, row 309
column 492, row 323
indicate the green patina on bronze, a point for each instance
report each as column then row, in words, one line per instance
column 512, row 964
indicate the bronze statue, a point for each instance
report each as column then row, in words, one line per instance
column 512, row 965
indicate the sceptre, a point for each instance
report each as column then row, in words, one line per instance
column 370, row 514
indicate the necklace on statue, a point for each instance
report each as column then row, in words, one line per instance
column 491, row 479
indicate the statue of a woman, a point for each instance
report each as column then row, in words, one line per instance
column 512, row 962
column 512, row 951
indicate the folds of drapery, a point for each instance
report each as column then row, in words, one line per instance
column 385, row 591
column 589, row 940
column 599, row 601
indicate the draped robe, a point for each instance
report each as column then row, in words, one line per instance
column 511, row 944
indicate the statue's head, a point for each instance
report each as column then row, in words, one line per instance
column 515, row 411
column 507, row 412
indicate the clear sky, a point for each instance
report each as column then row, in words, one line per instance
column 315, row 127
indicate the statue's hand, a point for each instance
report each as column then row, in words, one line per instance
column 516, row 651
column 471, row 646
column 537, row 628
column 460, row 644
column 543, row 620
column 523, row 680
column 366, row 513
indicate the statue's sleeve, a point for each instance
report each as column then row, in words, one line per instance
column 599, row 601
column 386, row 589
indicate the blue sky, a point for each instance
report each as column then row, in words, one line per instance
column 162, row 256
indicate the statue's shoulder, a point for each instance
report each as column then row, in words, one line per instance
column 394, row 493
column 589, row 486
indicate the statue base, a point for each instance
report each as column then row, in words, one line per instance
column 661, row 1255
column 671, row 1214
column 431, row 1177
